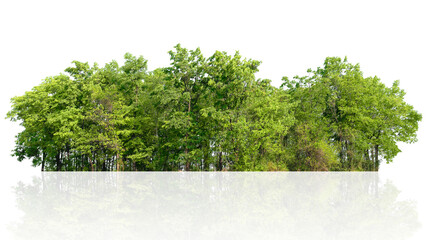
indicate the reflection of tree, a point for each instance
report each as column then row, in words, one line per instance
column 212, row 206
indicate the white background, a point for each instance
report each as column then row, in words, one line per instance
column 388, row 38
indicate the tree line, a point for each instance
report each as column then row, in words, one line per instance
column 205, row 114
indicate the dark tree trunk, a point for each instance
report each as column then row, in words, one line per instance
column 377, row 158
column 165, row 165
column 68, row 158
column 58, row 161
column 367, row 159
column 187, row 167
column 118, row 164
column 205, row 166
column 43, row 161
column 92, row 164
column 220, row 161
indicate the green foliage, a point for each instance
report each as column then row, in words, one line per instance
column 210, row 114
column 358, row 119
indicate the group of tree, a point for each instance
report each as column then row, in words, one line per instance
column 207, row 114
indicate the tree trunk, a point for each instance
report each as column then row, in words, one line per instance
column 220, row 161
column 58, row 162
column 205, row 166
column 367, row 158
column 92, row 164
column 187, row 163
column 376, row 157
column 118, row 163
column 68, row 158
column 187, row 168
column 165, row 164
column 43, row 161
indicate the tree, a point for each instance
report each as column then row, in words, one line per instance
column 361, row 119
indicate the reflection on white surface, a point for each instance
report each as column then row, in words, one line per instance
column 212, row 206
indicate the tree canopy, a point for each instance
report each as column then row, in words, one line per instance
column 212, row 113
